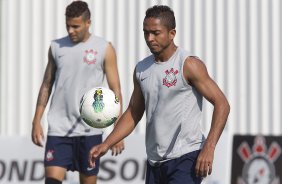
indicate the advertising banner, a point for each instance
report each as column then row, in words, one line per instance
column 256, row 159
column 21, row 162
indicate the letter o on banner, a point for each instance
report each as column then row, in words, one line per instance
column 125, row 170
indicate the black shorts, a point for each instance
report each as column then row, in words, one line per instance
column 71, row 153
column 176, row 171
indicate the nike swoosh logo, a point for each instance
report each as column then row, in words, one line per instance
column 60, row 56
column 89, row 168
column 143, row 78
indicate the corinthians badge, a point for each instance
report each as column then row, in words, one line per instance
column 90, row 56
column 170, row 78
column 50, row 155
column 259, row 162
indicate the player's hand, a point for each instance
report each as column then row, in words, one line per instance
column 118, row 148
column 96, row 152
column 205, row 161
column 37, row 134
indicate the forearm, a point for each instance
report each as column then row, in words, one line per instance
column 219, row 118
column 42, row 100
column 123, row 128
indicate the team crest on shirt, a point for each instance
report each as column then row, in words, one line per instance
column 50, row 155
column 90, row 56
column 170, row 78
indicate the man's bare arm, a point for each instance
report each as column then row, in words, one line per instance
column 197, row 75
column 125, row 125
column 48, row 80
column 42, row 100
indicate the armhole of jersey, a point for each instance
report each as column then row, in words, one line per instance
column 52, row 45
column 182, row 69
column 137, row 76
column 107, row 43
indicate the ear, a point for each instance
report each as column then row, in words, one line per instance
column 172, row 34
column 88, row 22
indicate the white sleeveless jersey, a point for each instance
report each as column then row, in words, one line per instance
column 173, row 108
column 80, row 67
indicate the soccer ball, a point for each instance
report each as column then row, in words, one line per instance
column 99, row 107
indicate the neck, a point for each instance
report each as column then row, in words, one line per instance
column 166, row 53
column 87, row 35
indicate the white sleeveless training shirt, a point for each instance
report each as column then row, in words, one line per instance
column 173, row 108
column 80, row 67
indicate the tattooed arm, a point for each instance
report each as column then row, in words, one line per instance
column 42, row 100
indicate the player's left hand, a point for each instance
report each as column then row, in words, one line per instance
column 205, row 161
column 118, row 148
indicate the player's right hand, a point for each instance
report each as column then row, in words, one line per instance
column 96, row 152
column 37, row 134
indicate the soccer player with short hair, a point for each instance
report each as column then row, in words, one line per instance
column 169, row 86
column 76, row 63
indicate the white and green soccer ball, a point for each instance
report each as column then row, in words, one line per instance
column 99, row 107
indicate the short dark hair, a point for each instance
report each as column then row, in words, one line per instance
column 164, row 13
column 78, row 8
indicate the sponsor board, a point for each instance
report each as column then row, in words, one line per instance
column 22, row 162
column 256, row 159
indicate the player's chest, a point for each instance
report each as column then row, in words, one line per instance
column 81, row 57
column 161, row 79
